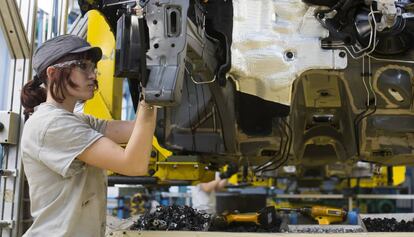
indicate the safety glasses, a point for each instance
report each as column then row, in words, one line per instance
column 85, row 66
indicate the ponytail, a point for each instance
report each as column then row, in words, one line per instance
column 33, row 94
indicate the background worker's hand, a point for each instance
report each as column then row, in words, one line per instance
column 232, row 168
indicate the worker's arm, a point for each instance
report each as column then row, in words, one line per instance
column 119, row 131
column 210, row 186
column 134, row 159
column 221, row 185
column 215, row 185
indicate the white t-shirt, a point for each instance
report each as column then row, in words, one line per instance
column 203, row 201
column 67, row 196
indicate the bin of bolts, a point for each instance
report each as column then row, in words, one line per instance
column 388, row 225
column 173, row 217
column 185, row 218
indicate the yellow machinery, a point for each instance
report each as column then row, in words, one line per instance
column 381, row 179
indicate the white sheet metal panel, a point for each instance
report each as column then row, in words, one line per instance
column 264, row 31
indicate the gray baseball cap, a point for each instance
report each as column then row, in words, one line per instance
column 54, row 49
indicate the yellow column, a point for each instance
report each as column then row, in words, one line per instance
column 107, row 102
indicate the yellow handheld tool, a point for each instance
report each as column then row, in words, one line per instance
column 265, row 217
column 324, row 215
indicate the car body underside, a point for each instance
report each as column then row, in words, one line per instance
column 289, row 87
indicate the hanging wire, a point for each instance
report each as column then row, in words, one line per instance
column 373, row 42
column 286, row 157
column 364, row 113
column 367, row 103
column 375, row 97
column 273, row 158
column 356, row 54
column 391, row 60
column 285, row 153
column 192, row 78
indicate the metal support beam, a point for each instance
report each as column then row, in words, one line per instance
column 350, row 199
column 14, row 29
column 340, row 196
column 309, row 196
column 80, row 26
column 386, row 196
column 63, row 17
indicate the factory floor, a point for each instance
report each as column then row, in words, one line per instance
column 227, row 234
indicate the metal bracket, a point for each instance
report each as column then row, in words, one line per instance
column 6, row 224
column 167, row 23
column 184, row 168
column 9, row 127
column 8, row 173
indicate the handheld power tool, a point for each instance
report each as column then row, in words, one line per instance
column 265, row 217
column 324, row 215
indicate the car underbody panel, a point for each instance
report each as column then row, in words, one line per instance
column 289, row 87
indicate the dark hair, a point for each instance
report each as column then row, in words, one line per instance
column 34, row 94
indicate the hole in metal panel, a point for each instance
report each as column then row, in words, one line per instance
column 173, row 22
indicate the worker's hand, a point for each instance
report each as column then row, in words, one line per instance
column 232, row 168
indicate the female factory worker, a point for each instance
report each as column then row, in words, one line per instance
column 66, row 154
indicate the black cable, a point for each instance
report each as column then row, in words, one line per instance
column 285, row 154
column 274, row 156
column 356, row 131
column 289, row 147
column 364, row 114
column 367, row 104
column 369, row 114
column 288, row 151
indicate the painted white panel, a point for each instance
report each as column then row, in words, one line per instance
column 264, row 31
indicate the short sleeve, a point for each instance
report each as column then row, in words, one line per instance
column 65, row 138
column 97, row 124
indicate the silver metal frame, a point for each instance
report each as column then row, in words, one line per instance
column 341, row 196
column 63, row 17
column 17, row 21
column 80, row 26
